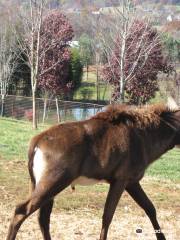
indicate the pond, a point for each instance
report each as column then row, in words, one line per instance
column 73, row 113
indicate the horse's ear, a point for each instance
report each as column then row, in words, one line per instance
column 172, row 116
column 171, row 104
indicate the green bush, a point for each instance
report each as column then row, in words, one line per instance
column 76, row 68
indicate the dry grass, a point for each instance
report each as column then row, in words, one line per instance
column 77, row 216
column 83, row 221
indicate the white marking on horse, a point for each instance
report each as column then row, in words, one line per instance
column 172, row 105
column 39, row 165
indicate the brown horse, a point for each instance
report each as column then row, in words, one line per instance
column 115, row 146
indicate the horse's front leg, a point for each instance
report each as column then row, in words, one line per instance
column 137, row 193
column 116, row 189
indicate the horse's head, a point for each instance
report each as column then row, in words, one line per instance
column 174, row 119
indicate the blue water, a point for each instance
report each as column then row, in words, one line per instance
column 78, row 113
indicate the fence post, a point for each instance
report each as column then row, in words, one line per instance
column 57, row 108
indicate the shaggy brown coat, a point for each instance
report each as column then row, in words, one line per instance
column 115, row 145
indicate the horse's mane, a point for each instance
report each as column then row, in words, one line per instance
column 140, row 117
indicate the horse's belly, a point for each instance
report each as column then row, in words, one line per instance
column 85, row 181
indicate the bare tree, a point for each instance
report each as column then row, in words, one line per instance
column 44, row 32
column 35, row 28
column 8, row 57
column 30, row 18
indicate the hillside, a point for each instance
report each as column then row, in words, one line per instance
column 79, row 4
column 106, row 3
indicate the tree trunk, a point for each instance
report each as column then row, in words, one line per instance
column 36, row 23
column 122, row 61
column 87, row 71
column 2, row 104
column 97, row 75
column 121, row 90
column 44, row 111
column 104, row 92
column 97, row 82
column 34, row 109
column 57, row 108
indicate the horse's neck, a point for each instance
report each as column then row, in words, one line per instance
column 157, row 142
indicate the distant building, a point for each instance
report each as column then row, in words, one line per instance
column 96, row 12
column 177, row 17
column 169, row 18
column 74, row 44
column 107, row 10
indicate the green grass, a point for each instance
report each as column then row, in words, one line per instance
column 88, row 89
column 14, row 177
column 167, row 167
column 15, row 136
column 14, row 139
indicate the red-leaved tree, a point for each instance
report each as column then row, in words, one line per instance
column 134, row 64
column 56, row 33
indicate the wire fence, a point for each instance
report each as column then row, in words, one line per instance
column 20, row 107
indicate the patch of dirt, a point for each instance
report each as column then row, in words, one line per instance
column 80, row 225
column 85, row 224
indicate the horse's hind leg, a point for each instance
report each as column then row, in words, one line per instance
column 20, row 214
column 137, row 193
column 44, row 219
column 43, row 193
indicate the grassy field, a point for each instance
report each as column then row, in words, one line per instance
column 88, row 89
column 14, row 139
column 84, row 206
column 15, row 136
